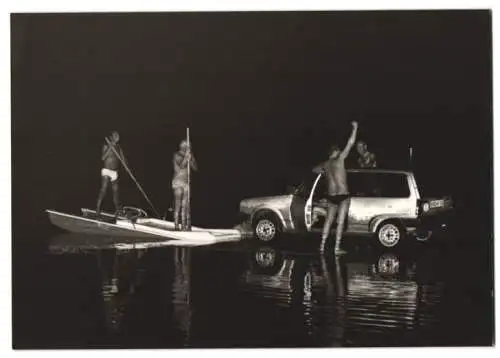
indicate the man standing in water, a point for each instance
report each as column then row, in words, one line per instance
column 365, row 159
column 180, row 184
column 338, row 192
column 109, row 173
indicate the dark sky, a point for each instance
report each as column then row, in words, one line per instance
column 265, row 94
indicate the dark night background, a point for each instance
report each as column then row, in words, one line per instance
column 265, row 94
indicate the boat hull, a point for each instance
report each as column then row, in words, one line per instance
column 82, row 225
column 150, row 228
column 68, row 243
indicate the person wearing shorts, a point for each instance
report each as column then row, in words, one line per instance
column 180, row 185
column 338, row 197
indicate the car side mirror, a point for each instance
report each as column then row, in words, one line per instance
column 291, row 189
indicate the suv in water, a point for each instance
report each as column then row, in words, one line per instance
column 384, row 203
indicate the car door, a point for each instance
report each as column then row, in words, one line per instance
column 300, row 211
column 297, row 209
column 378, row 194
column 309, row 202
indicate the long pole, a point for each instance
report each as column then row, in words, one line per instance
column 132, row 176
column 188, row 209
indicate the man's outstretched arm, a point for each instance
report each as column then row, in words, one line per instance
column 351, row 141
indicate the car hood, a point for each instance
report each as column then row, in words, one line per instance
column 265, row 200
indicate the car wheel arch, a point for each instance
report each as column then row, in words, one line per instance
column 379, row 220
column 269, row 213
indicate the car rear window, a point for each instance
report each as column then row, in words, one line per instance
column 386, row 185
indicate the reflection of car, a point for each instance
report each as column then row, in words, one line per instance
column 281, row 276
column 386, row 203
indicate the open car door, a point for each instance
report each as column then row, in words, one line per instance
column 309, row 202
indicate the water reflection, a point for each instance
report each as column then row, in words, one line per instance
column 261, row 297
column 121, row 275
column 181, row 290
column 349, row 300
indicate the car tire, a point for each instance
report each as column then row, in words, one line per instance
column 266, row 228
column 388, row 265
column 390, row 233
column 266, row 261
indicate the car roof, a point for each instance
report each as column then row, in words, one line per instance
column 383, row 171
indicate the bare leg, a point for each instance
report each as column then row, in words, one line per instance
column 102, row 193
column 341, row 219
column 330, row 216
column 185, row 212
column 177, row 206
column 116, row 195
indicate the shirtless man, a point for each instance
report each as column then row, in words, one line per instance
column 365, row 159
column 180, row 184
column 338, row 191
column 109, row 173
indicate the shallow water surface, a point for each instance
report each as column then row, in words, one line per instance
column 74, row 292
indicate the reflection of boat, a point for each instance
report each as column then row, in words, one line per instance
column 75, row 243
column 137, row 225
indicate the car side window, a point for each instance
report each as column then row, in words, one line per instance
column 378, row 185
column 304, row 188
column 393, row 185
column 362, row 185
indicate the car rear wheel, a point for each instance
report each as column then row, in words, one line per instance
column 266, row 229
column 423, row 235
column 389, row 234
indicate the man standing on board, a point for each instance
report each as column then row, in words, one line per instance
column 338, row 192
column 180, row 184
column 109, row 172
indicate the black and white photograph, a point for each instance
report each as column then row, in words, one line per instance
column 252, row 179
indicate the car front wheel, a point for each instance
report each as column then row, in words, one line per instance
column 389, row 234
column 266, row 229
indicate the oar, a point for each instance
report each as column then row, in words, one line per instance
column 132, row 176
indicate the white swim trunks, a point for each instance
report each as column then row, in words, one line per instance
column 179, row 184
column 112, row 174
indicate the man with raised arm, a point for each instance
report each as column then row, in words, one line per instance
column 180, row 184
column 338, row 191
column 109, row 172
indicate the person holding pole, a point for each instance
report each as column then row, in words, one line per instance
column 183, row 160
column 111, row 153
